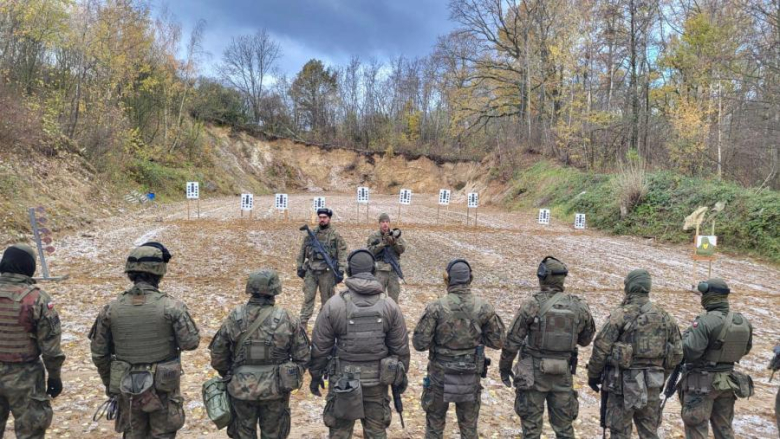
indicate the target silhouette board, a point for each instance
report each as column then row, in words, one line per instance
column 281, row 205
column 247, row 204
column 444, row 200
column 316, row 204
column 193, row 193
column 579, row 221
column 362, row 199
column 404, row 199
column 472, row 202
column 544, row 217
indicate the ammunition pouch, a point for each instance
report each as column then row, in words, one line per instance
column 698, row 382
column 168, row 376
column 290, row 377
column 392, row 372
column 621, row 356
column 119, row 369
column 740, row 383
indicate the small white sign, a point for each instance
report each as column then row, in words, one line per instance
column 247, row 201
column 281, row 201
column 193, row 190
column 318, row 203
column 579, row 221
column 473, row 200
column 362, row 195
column 444, row 197
column 544, row 217
column 405, row 197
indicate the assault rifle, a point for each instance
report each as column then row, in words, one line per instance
column 574, row 360
column 671, row 384
column 774, row 364
column 603, row 410
column 389, row 257
column 318, row 248
column 399, row 405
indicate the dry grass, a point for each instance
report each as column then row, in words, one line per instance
column 630, row 186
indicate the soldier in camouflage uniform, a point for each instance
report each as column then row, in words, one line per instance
column 360, row 341
column 136, row 344
column 774, row 365
column 274, row 354
column 455, row 330
column 546, row 331
column 716, row 340
column 29, row 331
column 379, row 243
column 633, row 353
column 311, row 265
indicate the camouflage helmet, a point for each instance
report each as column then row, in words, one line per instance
column 264, row 283
column 151, row 257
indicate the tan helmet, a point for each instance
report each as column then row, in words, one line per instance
column 151, row 257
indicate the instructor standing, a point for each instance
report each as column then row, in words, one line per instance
column 387, row 245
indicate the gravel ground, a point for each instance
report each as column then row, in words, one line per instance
column 214, row 254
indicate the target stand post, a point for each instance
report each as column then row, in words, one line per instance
column 472, row 203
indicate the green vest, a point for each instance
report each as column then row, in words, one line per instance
column 554, row 330
column 363, row 346
column 17, row 342
column 731, row 342
column 460, row 332
column 141, row 333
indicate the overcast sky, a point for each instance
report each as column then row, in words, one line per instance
column 330, row 30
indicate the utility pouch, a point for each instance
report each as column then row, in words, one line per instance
column 524, row 373
column 290, row 377
column 348, row 404
column 698, row 382
column 742, row 384
column 554, row 366
column 654, row 378
column 215, row 398
column 613, row 381
column 391, row 371
column 167, row 376
column 255, row 383
column 634, row 389
column 138, row 386
column 119, row 369
column 621, row 355
column 460, row 387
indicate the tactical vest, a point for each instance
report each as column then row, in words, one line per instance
column 732, row 341
column 257, row 348
column 141, row 333
column 316, row 260
column 459, row 334
column 647, row 334
column 554, row 330
column 363, row 346
column 17, row 344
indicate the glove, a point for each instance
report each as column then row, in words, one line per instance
column 301, row 272
column 593, row 383
column 316, row 384
column 389, row 240
column 507, row 377
column 54, row 387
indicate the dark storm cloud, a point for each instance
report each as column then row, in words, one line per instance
column 331, row 30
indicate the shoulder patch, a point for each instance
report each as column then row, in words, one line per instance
column 695, row 323
column 50, row 305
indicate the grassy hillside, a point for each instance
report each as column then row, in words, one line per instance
column 750, row 222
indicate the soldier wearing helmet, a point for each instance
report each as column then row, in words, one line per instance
column 455, row 331
column 546, row 331
column 29, row 331
column 263, row 351
column 136, row 344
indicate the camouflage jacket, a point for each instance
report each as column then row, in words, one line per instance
column 529, row 311
column 331, row 241
column 377, row 242
column 42, row 321
column 332, row 322
column 614, row 330
column 290, row 342
column 436, row 333
column 184, row 329
column 697, row 339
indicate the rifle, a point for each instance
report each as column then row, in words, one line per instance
column 389, row 257
column 317, row 245
column 574, row 360
column 399, row 405
column 671, row 384
column 774, row 364
column 603, row 411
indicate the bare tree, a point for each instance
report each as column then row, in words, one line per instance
column 246, row 65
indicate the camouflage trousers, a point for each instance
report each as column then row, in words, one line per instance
column 376, row 408
column 322, row 279
column 23, row 393
column 555, row 390
column 647, row 419
column 777, row 409
column 390, row 283
column 272, row 416
column 716, row 408
column 134, row 423
column 435, row 409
